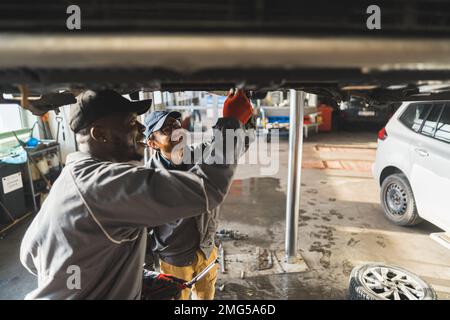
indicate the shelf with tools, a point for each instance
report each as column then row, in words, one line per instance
column 27, row 171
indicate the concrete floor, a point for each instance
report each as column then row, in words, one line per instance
column 341, row 225
column 15, row 281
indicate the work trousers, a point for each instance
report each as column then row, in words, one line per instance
column 204, row 289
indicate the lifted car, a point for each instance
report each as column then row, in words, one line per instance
column 320, row 47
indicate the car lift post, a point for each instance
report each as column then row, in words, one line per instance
column 297, row 99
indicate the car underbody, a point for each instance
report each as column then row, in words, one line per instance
column 319, row 48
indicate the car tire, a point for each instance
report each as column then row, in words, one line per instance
column 396, row 284
column 397, row 201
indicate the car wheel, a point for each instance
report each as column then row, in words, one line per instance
column 376, row 281
column 397, row 200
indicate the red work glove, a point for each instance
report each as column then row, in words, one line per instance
column 237, row 106
column 160, row 286
column 170, row 277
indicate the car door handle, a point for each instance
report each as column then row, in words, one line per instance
column 422, row 152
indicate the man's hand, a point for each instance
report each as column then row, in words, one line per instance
column 160, row 286
column 237, row 106
column 171, row 278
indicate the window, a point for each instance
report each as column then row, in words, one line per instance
column 10, row 117
column 429, row 126
column 414, row 115
column 443, row 127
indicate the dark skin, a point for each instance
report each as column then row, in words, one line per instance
column 118, row 137
column 162, row 139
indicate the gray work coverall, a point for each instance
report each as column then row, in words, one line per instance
column 94, row 222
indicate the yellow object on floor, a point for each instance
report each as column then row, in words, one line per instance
column 204, row 289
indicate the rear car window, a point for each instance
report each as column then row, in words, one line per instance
column 443, row 127
column 429, row 126
column 414, row 115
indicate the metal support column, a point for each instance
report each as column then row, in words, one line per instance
column 294, row 173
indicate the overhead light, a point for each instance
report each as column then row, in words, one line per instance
column 18, row 97
column 397, row 87
column 361, row 87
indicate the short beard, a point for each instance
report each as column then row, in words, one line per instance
column 177, row 154
column 177, row 150
column 131, row 153
column 136, row 157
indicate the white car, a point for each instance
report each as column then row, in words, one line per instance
column 413, row 164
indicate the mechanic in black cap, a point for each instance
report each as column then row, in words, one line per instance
column 95, row 113
column 88, row 240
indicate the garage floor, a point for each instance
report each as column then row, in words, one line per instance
column 341, row 225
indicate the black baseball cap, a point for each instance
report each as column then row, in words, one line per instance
column 94, row 105
column 155, row 120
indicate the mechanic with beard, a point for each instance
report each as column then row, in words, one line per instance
column 186, row 246
column 88, row 240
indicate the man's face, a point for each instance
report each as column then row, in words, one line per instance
column 167, row 137
column 125, row 136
